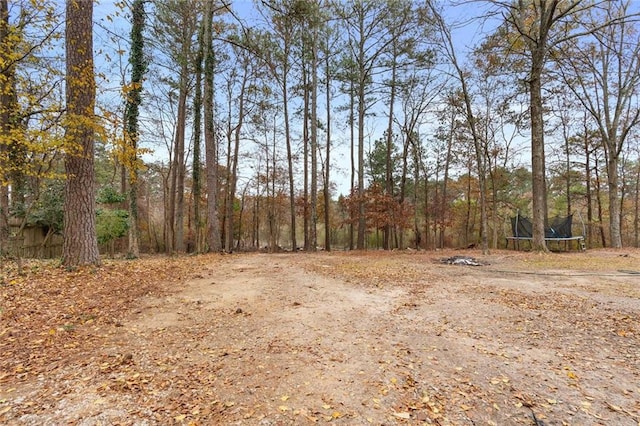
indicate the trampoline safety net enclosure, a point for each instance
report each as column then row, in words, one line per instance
column 558, row 229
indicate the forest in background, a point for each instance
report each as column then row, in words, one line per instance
column 215, row 130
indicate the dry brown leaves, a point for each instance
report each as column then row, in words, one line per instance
column 51, row 315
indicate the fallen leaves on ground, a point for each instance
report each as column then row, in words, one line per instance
column 52, row 317
column 344, row 338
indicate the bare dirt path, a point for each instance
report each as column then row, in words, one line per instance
column 359, row 339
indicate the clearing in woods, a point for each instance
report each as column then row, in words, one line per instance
column 346, row 338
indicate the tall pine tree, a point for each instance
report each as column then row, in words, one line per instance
column 80, row 245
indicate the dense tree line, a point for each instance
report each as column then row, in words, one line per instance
column 306, row 124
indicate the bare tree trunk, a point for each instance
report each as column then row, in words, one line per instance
column 567, row 165
column 287, row 135
column 636, row 209
column 273, row 210
column 386, row 237
column 327, row 189
column 361, row 96
column 599, row 201
column 6, row 97
column 445, row 182
column 427, row 234
column 80, row 242
column 213, row 224
column 614, row 201
column 468, row 215
column 494, row 216
column 438, row 217
column 169, row 207
column 589, row 200
column 305, row 154
column 352, row 155
column 171, row 225
column 588, row 190
column 361, row 204
column 233, row 166
column 241, row 242
column 416, row 177
column 171, row 201
column 214, row 242
column 403, row 182
column 314, row 141
column 539, row 187
column 255, row 222
column 180, row 168
column 4, row 219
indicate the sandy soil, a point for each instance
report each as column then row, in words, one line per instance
column 358, row 339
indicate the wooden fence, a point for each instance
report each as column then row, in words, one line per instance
column 33, row 242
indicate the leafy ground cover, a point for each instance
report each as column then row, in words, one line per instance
column 344, row 338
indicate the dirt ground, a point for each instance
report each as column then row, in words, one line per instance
column 342, row 338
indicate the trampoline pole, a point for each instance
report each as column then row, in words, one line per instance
column 517, row 241
column 584, row 229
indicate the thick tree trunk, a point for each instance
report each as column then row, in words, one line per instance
column 537, row 155
column 6, row 96
column 615, row 231
column 80, row 242
column 13, row 151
